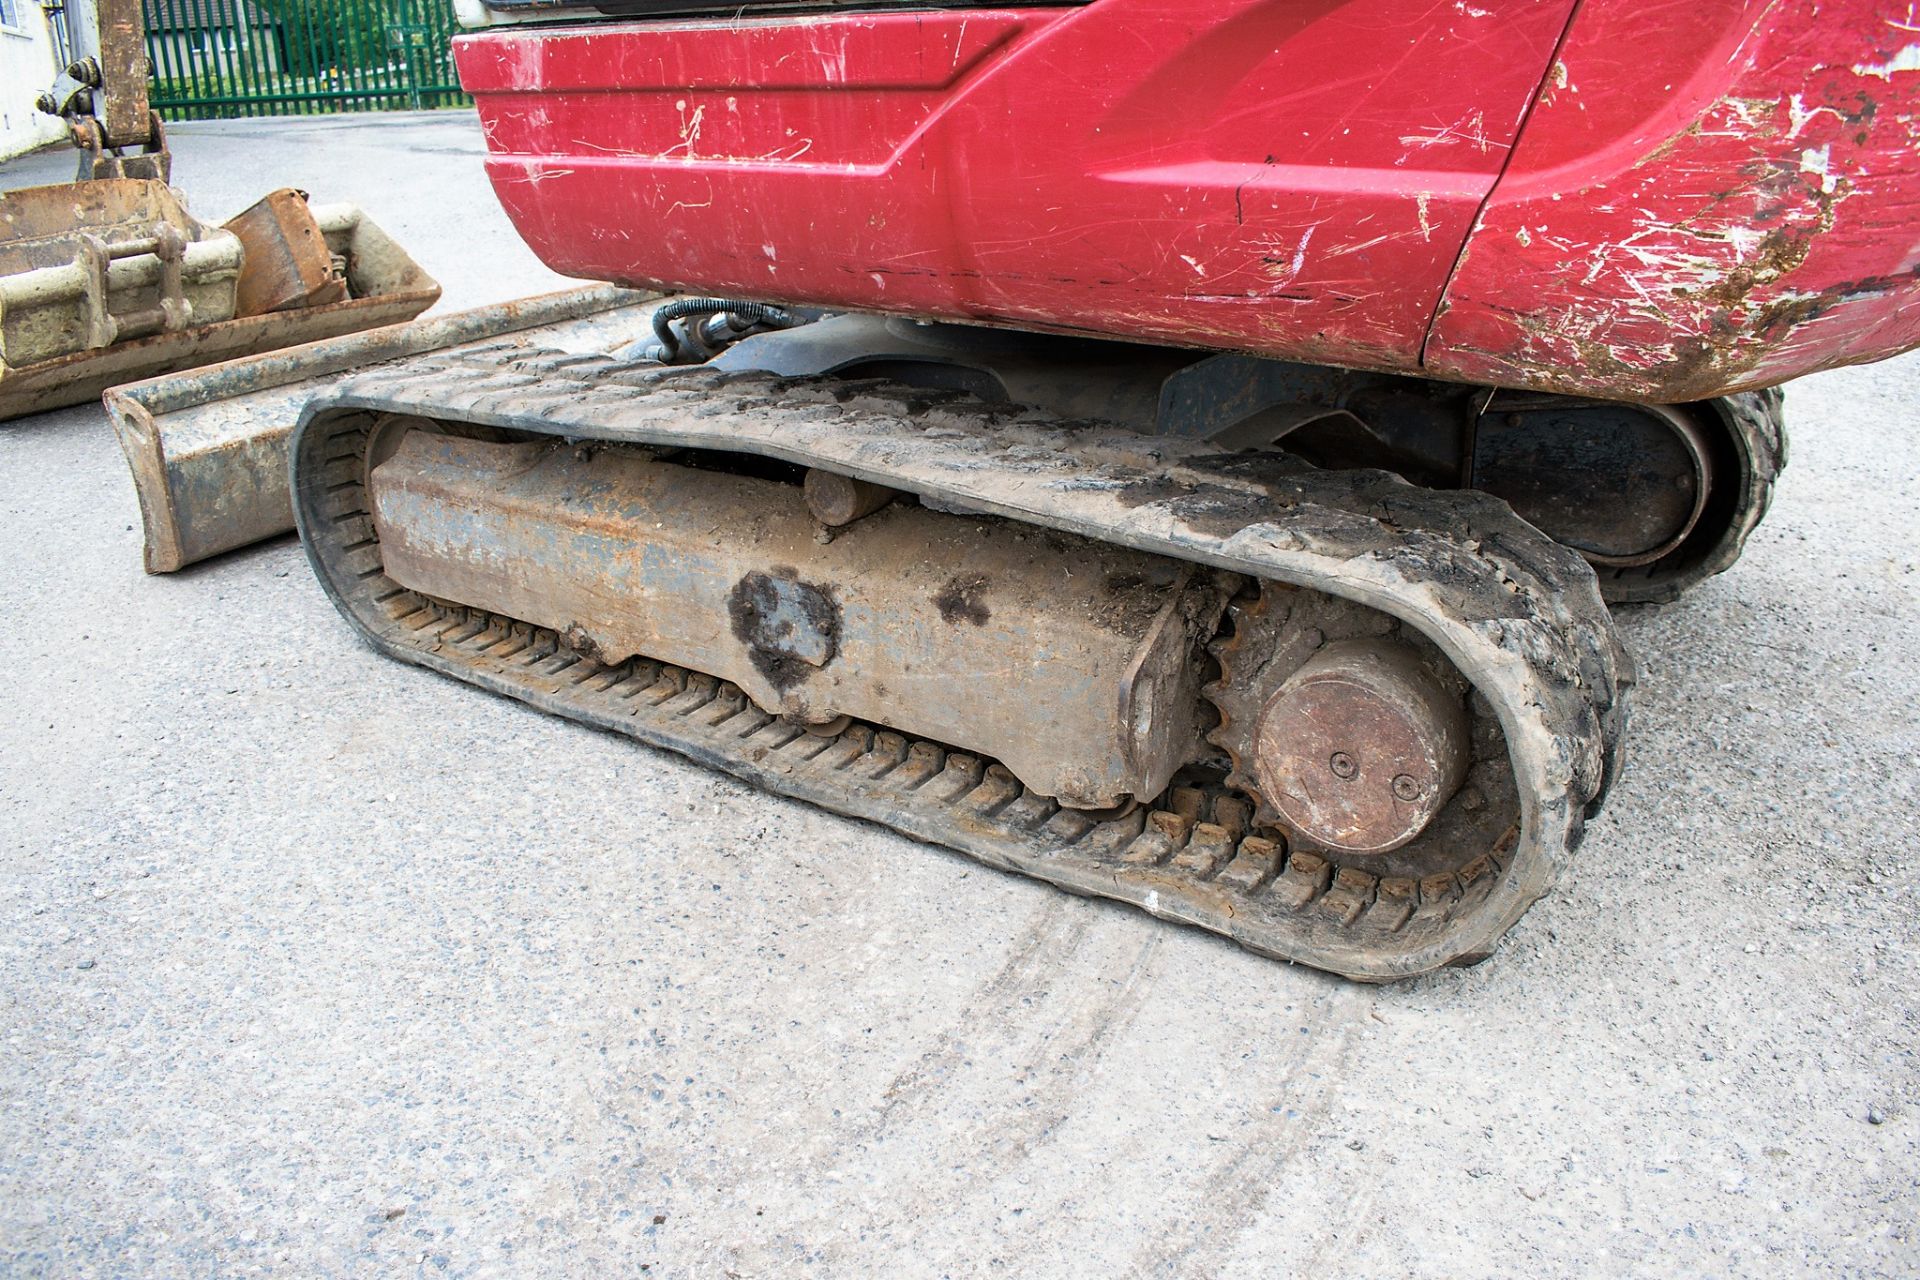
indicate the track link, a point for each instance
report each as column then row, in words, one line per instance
column 1519, row 616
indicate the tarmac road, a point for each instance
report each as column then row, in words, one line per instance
column 314, row 964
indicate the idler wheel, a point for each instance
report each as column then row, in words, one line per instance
column 1361, row 747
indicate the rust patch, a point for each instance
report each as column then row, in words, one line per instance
column 959, row 601
column 790, row 628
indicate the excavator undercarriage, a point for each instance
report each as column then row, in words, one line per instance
column 1337, row 717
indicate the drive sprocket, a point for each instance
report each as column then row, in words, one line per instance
column 1272, row 632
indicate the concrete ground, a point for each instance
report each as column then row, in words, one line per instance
column 314, row 964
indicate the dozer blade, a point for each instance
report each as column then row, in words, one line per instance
column 208, row 448
column 107, row 281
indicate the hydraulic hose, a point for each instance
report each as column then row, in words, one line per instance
column 740, row 317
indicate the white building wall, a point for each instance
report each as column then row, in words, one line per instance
column 26, row 69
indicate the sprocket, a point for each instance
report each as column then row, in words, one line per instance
column 1273, row 631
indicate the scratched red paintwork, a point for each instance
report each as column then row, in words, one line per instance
column 1287, row 176
column 1709, row 196
column 1705, row 196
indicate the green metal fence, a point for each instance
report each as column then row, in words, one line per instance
column 218, row 59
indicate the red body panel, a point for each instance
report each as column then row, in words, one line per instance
column 1229, row 174
column 1298, row 178
column 1705, row 199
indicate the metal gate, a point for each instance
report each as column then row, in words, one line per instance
column 217, row 59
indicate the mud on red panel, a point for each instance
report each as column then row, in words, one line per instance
column 1705, row 199
column 1292, row 177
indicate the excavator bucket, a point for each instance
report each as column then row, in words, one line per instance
column 110, row 280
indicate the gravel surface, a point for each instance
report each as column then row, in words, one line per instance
column 316, row 964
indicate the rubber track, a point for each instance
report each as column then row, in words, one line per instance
column 1519, row 615
column 1757, row 425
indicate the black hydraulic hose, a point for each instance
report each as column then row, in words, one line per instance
column 741, row 316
